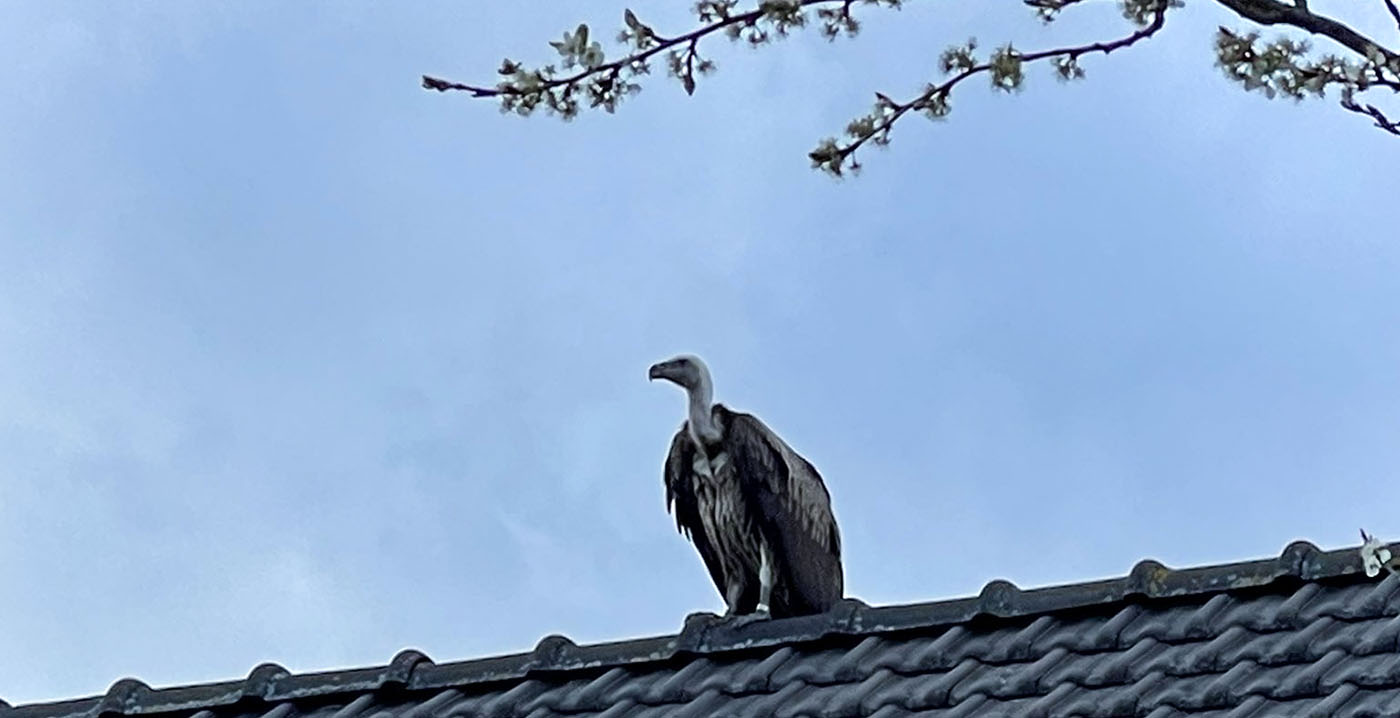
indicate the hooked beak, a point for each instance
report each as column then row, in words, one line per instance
column 657, row 371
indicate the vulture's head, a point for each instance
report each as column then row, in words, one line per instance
column 686, row 371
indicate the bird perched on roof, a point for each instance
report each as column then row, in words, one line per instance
column 756, row 510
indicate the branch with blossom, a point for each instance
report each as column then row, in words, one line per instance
column 1005, row 70
column 1284, row 67
column 583, row 76
column 607, row 83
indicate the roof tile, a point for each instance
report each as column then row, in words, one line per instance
column 1108, row 635
column 1303, row 634
column 434, row 704
column 935, row 690
column 1123, row 667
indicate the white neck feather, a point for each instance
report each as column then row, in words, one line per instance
column 702, row 423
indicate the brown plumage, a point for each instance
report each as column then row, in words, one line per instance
column 739, row 492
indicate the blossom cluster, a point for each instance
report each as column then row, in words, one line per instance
column 584, row 77
column 1282, row 67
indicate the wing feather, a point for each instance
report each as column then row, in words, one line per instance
column 682, row 501
column 793, row 510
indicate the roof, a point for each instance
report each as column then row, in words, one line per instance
column 1303, row 634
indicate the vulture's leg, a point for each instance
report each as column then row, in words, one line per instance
column 765, row 591
column 765, row 578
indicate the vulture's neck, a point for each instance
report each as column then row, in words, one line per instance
column 702, row 420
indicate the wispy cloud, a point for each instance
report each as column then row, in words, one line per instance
column 302, row 363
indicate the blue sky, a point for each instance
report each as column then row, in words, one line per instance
column 305, row 364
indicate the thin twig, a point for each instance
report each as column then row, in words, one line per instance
column 692, row 37
column 936, row 92
column 1381, row 121
column 1394, row 11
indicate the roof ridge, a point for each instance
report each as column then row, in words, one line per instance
column 704, row 634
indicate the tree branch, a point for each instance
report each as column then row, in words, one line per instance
column 662, row 44
column 1392, row 126
column 1272, row 12
column 1394, row 11
column 833, row 156
column 1281, row 67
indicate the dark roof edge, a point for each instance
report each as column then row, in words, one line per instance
column 703, row 634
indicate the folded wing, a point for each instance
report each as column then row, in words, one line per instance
column 793, row 511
